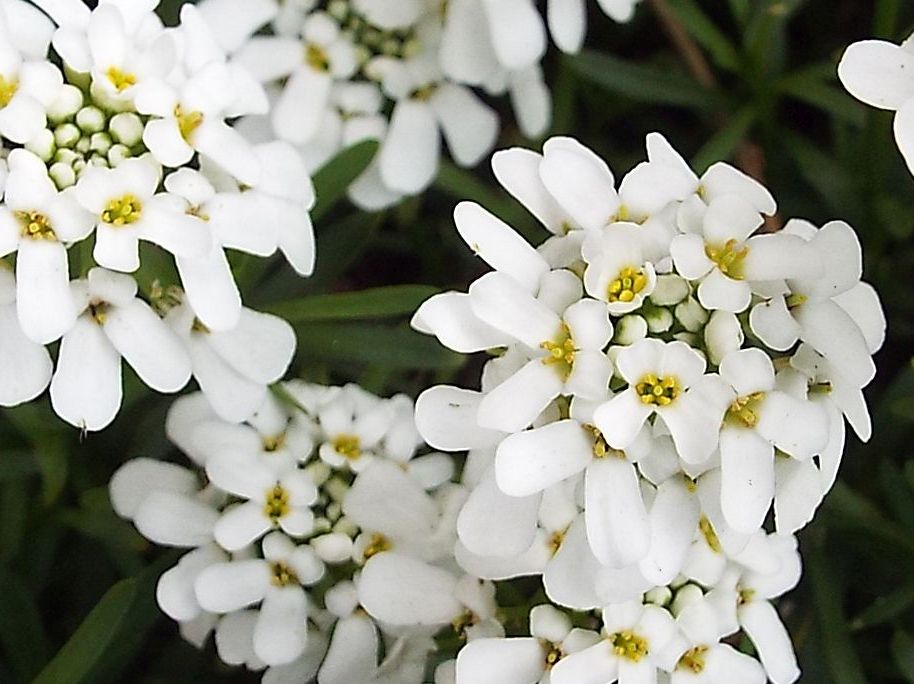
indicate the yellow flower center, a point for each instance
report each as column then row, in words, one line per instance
column 424, row 93
column 627, row 285
column 463, row 622
column 282, row 574
column 708, row 532
column 123, row 211
column 316, row 57
column 743, row 412
column 561, row 352
column 746, row 596
column 601, row 448
column 121, row 80
column 347, row 446
column 795, row 300
column 7, row 90
column 693, row 659
column 553, row 655
column 274, row 442
column 99, row 311
column 627, row 644
column 555, row 541
column 277, row 503
column 376, row 545
column 658, row 391
column 35, row 225
column 728, row 258
column 188, row 122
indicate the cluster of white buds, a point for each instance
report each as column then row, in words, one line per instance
column 402, row 73
column 316, row 533
column 666, row 367
column 127, row 154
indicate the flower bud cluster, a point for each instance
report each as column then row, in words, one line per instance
column 668, row 387
column 316, row 532
column 126, row 160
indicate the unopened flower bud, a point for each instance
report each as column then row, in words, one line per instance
column 42, row 145
column 126, row 128
column 630, row 329
column 62, row 174
column 66, row 135
column 670, row 289
column 691, row 314
column 90, row 119
column 68, row 102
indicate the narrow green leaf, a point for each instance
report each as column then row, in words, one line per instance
column 903, row 653
column 740, row 10
column 641, row 82
column 810, row 87
column 884, row 608
column 379, row 302
column 885, row 19
column 847, row 508
column 21, row 632
column 15, row 465
column 399, row 347
column 836, row 644
column 98, row 631
column 726, row 140
column 830, row 179
column 332, row 180
column 706, row 32
column 897, row 495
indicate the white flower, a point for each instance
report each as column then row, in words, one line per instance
column 25, row 366
column 37, row 221
column 666, row 379
column 28, row 86
column 617, row 272
column 234, row 367
column 191, row 118
column 634, row 635
column 523, row 659
column 760, row 419
column 878, row 73
column 272, row 501
column 353, row 424
column 126, row 208
column 112, row 323
column 835, row 313
column 727, row 258
column 568, row 19
column 275, row 581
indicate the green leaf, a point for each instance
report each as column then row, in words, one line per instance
column 99, row 630
column 379, row 302
column 810, row 87
column 824, row 174
column 706, row 32
column 51, row 453
column 903, row 653
column 641, row 82
column 725, row 141
column 399, row 347
column 836, row 644
column 884, row 608
column 15, row 465
column 848, row 509
column 111, row 634
column 21, row 632
column 332, row 180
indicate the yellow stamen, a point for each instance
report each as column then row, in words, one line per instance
column 626, row 285
column 121, row 80
column 347, row 446
column 316, row 57
column 561, row 352
column 693, row 659
column 376, row 545
column 123, row 211
column 728, row 258
column 99, row 311
column 627, row 644
column 743, row 412
column 188, row 122
column 658, row 391
column 35, row 225
column 8, row 89
column 710, row 534
column 282, row 574
column 277, row 503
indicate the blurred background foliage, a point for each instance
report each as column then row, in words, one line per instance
column 750, row 81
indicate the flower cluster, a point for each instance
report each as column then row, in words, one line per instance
column 667, row 371
column 402, row 73
column 316, row 536
column 123, row 161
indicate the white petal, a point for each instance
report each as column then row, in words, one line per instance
column 260, row 347
column 673, row 518
column 226, row 587
column 164, row 140
column 518, row 34
column 173, row 519
column 86, row 388
column 517, row 169
column 527, row 462
column 281, row 629
column 449, row 317
column 761, row 622
column 779, row 255
column 720, row 292
column 567, row 23
column 226, row 146
column 569, row 578
column 469, row 125
column 404, row 591
column 500, row 301
column 688, row 252
column 498, row 661
column 594, row 665
column 211, row 290
column 902, row 126
column 772, row 322
column 492, row 523
column 581, row 183
column 149, row 346
column 446, row 419
column 409, row 155
column 241, row 525
column 134, row 480
column 617, row 522
column 43, row 300
column 878, row 73
column 833, row 333
column 384, row 498
column 748, row 371
column 24, row 365
column 499, row 245
column 795, row 426
column 620, row 419
column 232, row 396
column 798, row 492
column 516, row 402
column 862, row 304
column 353, row 652
column 747, row 478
